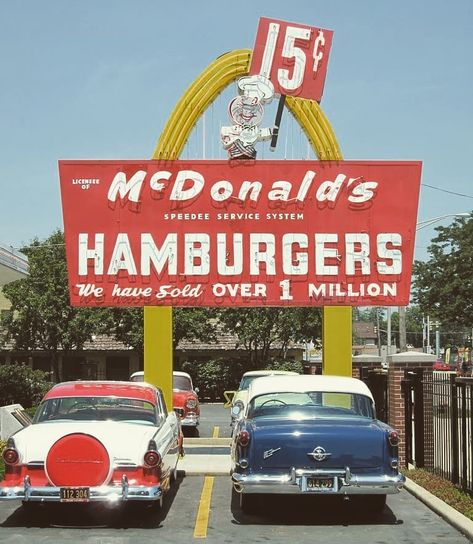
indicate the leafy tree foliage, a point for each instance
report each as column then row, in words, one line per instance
column 215, row 376
column 414, row 332
column 126, row 325
column 42, row 317
column 286, row 364
column 19, row 384
column 443, row 286
column 194, row 324
column 260, row 330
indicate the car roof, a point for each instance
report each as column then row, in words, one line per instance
column 270, row 373
column 179, row 373
column 175, row 373
column 307, row 382
column 133, row 390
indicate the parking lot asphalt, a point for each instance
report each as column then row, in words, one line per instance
column 210, row 457
column 204, row 508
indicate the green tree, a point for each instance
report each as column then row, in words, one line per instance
column 126, row 325
column 19, row 384
column 261, row 330
column 194, row 324
column 443, row 285
column 414, row 332
column 42, row 317
column 214, row 376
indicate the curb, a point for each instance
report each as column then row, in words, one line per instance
column 207, row 441
column 449, row 514
column 199, row 465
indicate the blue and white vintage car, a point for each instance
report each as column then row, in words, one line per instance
column 313, row 435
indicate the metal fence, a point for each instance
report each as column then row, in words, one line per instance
column 439, row 426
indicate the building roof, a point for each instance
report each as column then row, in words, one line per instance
column 13, row 264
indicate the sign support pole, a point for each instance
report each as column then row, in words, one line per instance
column 158, row 349
column 337, row 341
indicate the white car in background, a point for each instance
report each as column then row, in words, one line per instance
column 237, row 399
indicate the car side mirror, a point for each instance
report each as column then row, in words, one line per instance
column 197, row 390
column 228, row 395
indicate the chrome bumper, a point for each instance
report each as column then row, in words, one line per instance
column 294, row 482
column 104, row 493
column 191, row 420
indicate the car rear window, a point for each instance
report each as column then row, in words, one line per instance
column 182, row 383
column 311, row 404
column 96, row 409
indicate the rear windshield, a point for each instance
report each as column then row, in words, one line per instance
column 182, row 382
column 246, row 380
column 96, row 409
column 310, row 405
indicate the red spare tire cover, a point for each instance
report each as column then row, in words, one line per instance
column 77, row 460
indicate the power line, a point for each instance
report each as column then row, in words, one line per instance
column 445, row 191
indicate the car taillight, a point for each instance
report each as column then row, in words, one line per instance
column 10, row 456
column 393, row 438
column 152, row 457
column 244, row 438
column 191, row 403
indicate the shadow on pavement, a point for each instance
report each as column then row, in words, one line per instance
column 310, row 510
column 90, row 515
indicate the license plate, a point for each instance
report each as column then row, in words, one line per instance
column 314, row 484
column 74, row 494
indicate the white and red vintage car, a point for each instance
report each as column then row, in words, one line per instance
column 97, row 441
column 184, row 397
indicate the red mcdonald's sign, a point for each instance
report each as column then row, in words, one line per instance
column 239, row 233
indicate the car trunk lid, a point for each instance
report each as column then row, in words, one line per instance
column 359, row 443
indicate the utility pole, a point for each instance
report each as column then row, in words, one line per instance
column 379, row 332
column 402, row 329
column 388, row 340
column 428, row 335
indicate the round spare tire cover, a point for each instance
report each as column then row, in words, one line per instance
column 78, row 460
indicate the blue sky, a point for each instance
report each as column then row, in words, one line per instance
column 98, row 79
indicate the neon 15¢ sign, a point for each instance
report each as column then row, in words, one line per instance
column 293, row 56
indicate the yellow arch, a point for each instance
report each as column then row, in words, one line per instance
column 197, row 98
column 213, row 80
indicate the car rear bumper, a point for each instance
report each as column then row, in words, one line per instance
column 294, row 483
column 104, row 493
column 190, row 420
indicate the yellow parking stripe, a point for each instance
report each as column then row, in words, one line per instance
column 216, row 431
column 202, row 520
